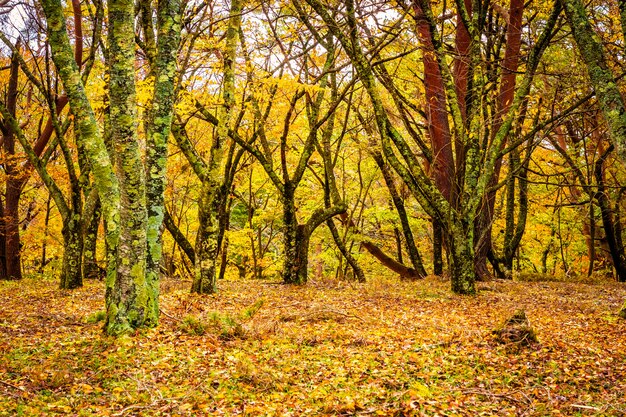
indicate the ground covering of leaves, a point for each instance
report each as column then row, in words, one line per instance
column 258, row 348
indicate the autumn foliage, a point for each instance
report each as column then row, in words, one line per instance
column 309, row 207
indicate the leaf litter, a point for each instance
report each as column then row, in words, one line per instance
column 383, row 348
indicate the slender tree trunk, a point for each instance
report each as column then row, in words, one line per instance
column 223, row 260
column 437, row 247
column 71, row 271
column 617, row 252
column 44, row 243
column 13, row 248
column 157, row 136
column 356, row 268
column 398, row 202
column 3, row 256
column 14, row 183
column 213, row 200
column 514, row 231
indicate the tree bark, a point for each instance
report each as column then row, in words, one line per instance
column 602, row 79
column 129, row 298
column 71, row 273
column 608, row 224
column 157, row 137
column 91, row 223
column 14, row 184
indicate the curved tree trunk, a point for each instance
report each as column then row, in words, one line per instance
column 356, row 268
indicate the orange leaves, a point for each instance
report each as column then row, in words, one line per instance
column 378, row 349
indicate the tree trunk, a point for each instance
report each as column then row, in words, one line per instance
column 437, row 248
column 295, row 270
column 295, row 241
column 91, row 269
column 461, row 261
column 356, row 268
column 208, row 241
column 14, row 183
column 130, row 301
column 157, row 136
column 13, row 246
column 603, row 81
column 617, row 252
column 398, row 202
column 71, row 271
column 213, row 200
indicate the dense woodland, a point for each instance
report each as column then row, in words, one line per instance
column 401, row 153
column 198, row 139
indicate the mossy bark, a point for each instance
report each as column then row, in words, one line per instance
column 602, row 79
column 209, row 238
column 71, row 271
column 295, row 242
column 91, row 223
column 157, row 135
column 90, row 137
column 128, row 296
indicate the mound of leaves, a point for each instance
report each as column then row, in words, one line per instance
column 516, row 330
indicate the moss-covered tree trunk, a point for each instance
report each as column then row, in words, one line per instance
column 602, row 79
column 461, row 259
column 128, row 296
column 210, row 233
column 213, row 201
column 91, row 223
column 157, row 135
column 71, row 271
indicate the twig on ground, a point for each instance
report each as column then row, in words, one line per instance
column 584, row 407
column 169, row 316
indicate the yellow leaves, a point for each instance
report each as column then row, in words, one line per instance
column 392, row 359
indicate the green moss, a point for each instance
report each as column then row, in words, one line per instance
column 96, row 317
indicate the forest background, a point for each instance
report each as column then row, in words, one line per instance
column 307, row 141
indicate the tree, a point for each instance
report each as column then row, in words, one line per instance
column 69, row 203
column 477, row 160
column 132, row 291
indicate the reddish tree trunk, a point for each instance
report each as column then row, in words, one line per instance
column 13, row 183
column 438, row 125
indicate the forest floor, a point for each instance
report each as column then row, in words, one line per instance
column 385, row 348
